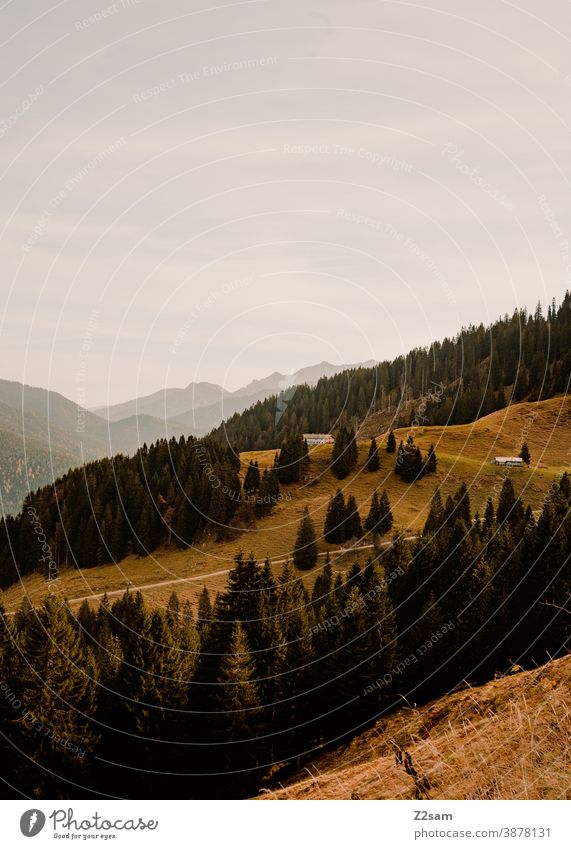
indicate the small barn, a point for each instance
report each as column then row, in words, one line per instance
column 318, row 438
column 507, row 461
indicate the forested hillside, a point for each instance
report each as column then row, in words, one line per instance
column 459, row 379
column 175, row 490
column 269, row 673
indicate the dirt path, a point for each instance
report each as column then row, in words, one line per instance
column 191, row 579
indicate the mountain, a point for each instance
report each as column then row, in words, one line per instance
column 165, row 403
column 200, row 407
column 43, row 435
column 27, row 465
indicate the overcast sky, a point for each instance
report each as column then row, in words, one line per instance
column 202, row 191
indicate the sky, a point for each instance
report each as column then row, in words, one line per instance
column 217, row 190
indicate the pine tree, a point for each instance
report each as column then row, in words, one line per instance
column 334, row 519
column 292, row 459
column 435, row 514
column 238, row 701
column 252, row 479
column 373, row 519
column 430, row 466
column 510, row 509
column 380, row 518
column 305, row 551
column 322, row 586
column 344, row 454
column 58, row 693
column 391, row 443
column 217, row 513
column 381, row 631
column 489, row 516
column 373, row 462
column 204, row 612
column 352, row 525
column 524, row 454
column 462, row 505
column 386, row 521
column 157, row 671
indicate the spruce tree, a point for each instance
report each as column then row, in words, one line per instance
column 381, row 631
column 344, row 454
column 373, row 462
column 352, row 525
column 305, row 551
column 380, row 518
column 252, row 478
column 217, row 513
column 322, row 586
column 430, row 465
column 238, row 702
column 524, row 454
column 489, row 516
column 204, row 612
column 510, row 509
column 386, row 516
column 292, row 459
column 435, row 514
column 333, row 530
column 58, row 693
column 373, row 519
column 391, row 443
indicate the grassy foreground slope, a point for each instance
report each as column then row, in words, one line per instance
column 509, row 739
column 464, row 453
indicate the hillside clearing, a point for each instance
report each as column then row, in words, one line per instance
column 464, row 455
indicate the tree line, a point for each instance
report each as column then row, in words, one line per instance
column 173, row 491
column 456, row 380
column 132, row 700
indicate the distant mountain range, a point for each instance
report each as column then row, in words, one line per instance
column 43, row 434
column 203, row 406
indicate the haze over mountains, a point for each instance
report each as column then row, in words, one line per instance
column 214, row 402
column 43, row 434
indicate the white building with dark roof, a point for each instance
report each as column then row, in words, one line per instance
column 507, row 461
column 318, row 438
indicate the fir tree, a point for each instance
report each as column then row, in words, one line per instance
column 430, row 466
column 380, row 518
column 373, row 462
column 58, row 692
column 391, row 443
column 204, row 612
column 386, row 521
column 292, row 459
column 489, row 516
column 352, row 525
column 335, row 518
column 344, row 454
column 252, row 479
column 373, row 519
column 305, row 551
column 238, row 700
column 435, row 514
column 524, row 454
column 510, row 509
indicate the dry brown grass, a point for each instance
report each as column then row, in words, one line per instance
column 509, row 739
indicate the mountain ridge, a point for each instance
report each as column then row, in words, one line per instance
column 177, row 402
